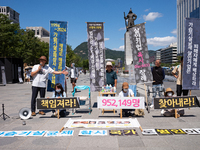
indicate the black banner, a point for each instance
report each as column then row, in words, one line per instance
column 57, row 103
column 140, row 53
column 96, row 55
column 176, row 102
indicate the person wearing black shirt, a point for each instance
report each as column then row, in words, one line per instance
column 158, row 77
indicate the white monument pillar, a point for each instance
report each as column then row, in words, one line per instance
column 127, row 48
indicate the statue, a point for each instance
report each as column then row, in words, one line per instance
column 131, row 18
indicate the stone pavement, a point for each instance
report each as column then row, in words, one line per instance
column 17, row 96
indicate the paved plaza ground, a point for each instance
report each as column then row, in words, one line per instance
column 17, row 96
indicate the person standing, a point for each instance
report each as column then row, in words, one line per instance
column 73, row 74
column 177, row 73
column 111, row 76
column 158, row 77
column 39, row 74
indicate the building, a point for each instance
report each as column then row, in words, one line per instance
column 12, row 14
column 41, row 33
column 169, row 54
column 185, row 9
column 158, row 56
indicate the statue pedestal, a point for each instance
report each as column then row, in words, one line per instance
column 127, row 48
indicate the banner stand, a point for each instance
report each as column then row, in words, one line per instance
column 148, row 109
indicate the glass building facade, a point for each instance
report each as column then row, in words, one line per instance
column 185, row 9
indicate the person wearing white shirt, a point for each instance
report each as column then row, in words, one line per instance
column 73, row 74
column 39, row 74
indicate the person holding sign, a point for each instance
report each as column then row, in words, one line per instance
column 59, row 92
column 158, row 77
column 39, row 74
column 177, row 73
column 171, row 112
column 126, row 92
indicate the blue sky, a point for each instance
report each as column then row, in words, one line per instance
column 159, row 15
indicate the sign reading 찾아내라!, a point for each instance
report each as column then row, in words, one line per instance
column 57, row 103
column 57, row 52
column 96, row 55
column 120, row 102
column 176, row 102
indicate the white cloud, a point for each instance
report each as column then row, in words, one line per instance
column 161, row 41
column 122, row 29
column 121, row 48
column 174, row 31
column 152, row 16
column 147, row 9
column 106, row 39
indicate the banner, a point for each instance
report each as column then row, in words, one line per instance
column 123, row 132
column 140, row 53
column 93, row 132
column 57, row 52
column 102, row 123
column 57, row 103
column 176, row 102
column 120, row 102
column 191, row 57
column 96, row 55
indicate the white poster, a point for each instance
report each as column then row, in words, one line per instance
column 93, row 132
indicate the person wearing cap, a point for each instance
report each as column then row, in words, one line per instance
column 39, row 74
column 111, row 76
column 170, row 112
column 73, row 74
column 126, row 92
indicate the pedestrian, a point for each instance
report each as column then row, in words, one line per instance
column 177, row 73
column 39, row 74
column 158, row 77
column 73, row 74
column 59, row 92
column 111, row 76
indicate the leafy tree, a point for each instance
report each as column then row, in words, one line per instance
column 86, row 64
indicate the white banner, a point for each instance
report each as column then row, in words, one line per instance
column 121, row 102
column 102, row 123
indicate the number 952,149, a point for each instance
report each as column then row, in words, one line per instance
column 128, row 102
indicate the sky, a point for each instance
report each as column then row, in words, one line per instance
column 159, row 15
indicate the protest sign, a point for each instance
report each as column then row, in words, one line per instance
column 140, row 53
column 163, row 131
column 190, row 131
column 57, row 53
column 121, row 102
column 57, row 133
column 93, row 132
column 191, row 58
column 177, row 131
column 96, row 55
column 57, row 103
column 123, row 132
column 176, row 102
column 102, row 123
column 149, row 132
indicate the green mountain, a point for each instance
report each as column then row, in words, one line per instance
column 82, row 51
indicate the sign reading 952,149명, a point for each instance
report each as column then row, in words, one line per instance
column 57, row 103
column 176, row 102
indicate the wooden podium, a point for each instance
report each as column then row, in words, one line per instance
column 107, row 93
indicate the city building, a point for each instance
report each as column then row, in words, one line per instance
column 12, row 14
column 158, row 56
column 169, row 54
column 185, row 9
column 41, row 33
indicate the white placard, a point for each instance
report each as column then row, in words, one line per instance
column 149, row 132
column 190, row 131
column 93, row 132
column 120, row 102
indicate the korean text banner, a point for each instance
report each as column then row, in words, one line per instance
column 96, row 55
column 191, row 57
column 57, row 52
column 120, row 102
column 57, row 103
column 176, row 102
column 140, row 53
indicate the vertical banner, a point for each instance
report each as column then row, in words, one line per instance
column 191, row 57
column 140, row 54
column 57, row 52
column 96, row 55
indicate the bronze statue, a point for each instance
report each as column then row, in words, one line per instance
column 131, row 18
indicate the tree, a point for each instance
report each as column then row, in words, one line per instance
column 71, row 57
column 86, row 64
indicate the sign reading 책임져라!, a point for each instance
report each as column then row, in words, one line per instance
column 120, row 102
column 96, row 55
column 191, row 59
column 57, row 103
column 140, row 54
column 176, row 102
column 57, row 52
